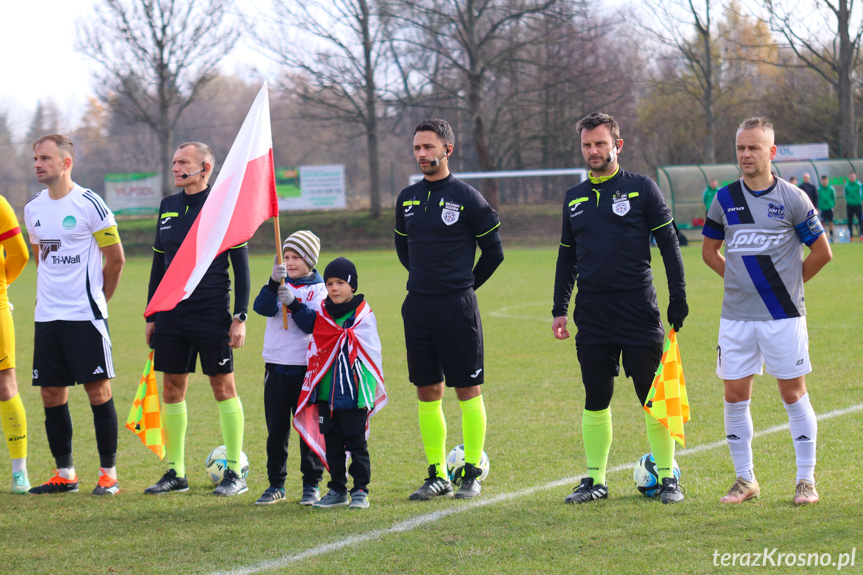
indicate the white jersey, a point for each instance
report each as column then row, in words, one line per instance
column 69, row 280
column 288, row 346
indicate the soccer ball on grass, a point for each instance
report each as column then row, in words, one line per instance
column 455, row 464
column 646, row 477
column 217, row 462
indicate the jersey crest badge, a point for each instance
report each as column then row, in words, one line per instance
column 450, row 212
column 620, row 203
column 776, row 211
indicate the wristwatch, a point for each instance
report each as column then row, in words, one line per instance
column 242, row 316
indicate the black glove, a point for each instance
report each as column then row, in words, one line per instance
column 678, row 309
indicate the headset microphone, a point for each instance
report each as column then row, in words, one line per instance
column 202, row 170
column 436, row 161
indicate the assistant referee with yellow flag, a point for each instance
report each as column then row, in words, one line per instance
column 605, row 248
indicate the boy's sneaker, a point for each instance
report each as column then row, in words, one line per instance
column 433, row 487
column 106, row 486
column 805, row 493
column 332, row 499
column 359, row 499
column 169, row 482
column 741, row 491
column 271, row 495
column 232, row 484
column 56, row 484
column 587, row 491
column 310, row 495
column 670, row 492
column 20, row 482
column 470, row 486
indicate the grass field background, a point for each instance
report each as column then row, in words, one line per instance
column 534, row 400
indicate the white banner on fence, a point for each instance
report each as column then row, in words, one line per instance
column 321, row 188
column 797, row 152
column 133, row 194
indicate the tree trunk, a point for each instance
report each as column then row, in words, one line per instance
column 166, row 155
column 371, row 115
column 489, row 186
column 847, row 120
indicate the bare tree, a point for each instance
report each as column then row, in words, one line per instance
column 825, row 39
column 458, row 48
column 155, row 57
column 336, row 51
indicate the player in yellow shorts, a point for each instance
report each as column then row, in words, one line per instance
column 13, row 258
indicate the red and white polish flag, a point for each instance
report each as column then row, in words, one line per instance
column 243, row 197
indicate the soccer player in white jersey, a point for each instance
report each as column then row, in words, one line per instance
column 71, row 230
column 764, row 222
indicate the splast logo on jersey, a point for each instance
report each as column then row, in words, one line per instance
column 620, row 203
column 754, row 240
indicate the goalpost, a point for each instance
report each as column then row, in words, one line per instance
column 526, row 186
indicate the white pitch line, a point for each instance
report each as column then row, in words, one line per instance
column 420, row 520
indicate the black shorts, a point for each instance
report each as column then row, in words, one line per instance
column 827, row 215
column 443, row 337
column 183, row 335
column 70, row 352
column 607, row 328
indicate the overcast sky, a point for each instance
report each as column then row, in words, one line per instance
column 38, row 60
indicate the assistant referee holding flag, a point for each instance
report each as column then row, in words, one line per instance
column 440, row 221
column 605, row 248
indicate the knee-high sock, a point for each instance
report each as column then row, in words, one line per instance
column 473, row 424
column 804, row 434
column 14, row 426
column 231, row 420
column 597, row 433
column 738, row 436
column 661, row 445
column 58, row 428
column 105, row 422
column 433, row 431
column 175, row 420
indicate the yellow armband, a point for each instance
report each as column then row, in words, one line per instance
column 107, row 237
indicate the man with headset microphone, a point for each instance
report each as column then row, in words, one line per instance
column 605, row 249
column 200, row 325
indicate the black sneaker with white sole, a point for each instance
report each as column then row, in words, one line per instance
column 232, row 484
column 470, row 486
column 169, row 482
column 587, row 491
column 433, row 487
column 670, row 492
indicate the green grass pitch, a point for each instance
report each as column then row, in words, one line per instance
column 534, row 399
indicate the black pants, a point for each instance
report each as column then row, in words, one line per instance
column 850, row 212
column 281, row 393
column 345, row 431
column 630, row 327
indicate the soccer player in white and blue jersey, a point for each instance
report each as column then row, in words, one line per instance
column 764, row 222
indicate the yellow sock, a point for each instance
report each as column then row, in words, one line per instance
column 14, row 426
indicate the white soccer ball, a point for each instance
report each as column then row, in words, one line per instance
column 217, row 462
column 455, row 464
column 645, row 476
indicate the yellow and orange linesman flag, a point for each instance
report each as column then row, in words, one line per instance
column 145, row 417
column 667, row 400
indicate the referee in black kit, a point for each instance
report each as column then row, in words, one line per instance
column 605, row 247
column 440, row 221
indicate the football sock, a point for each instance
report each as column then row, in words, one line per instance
column 109, row 471
column 662, row 446
column 58, row 428
column 473, row 423
column 14, row 427
column 597, row 432
column 231, row 421
column 174, row 419
column 804, row 433
column 433, row 431
column 67, row 472
column 105, row 422
column 738, row 436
